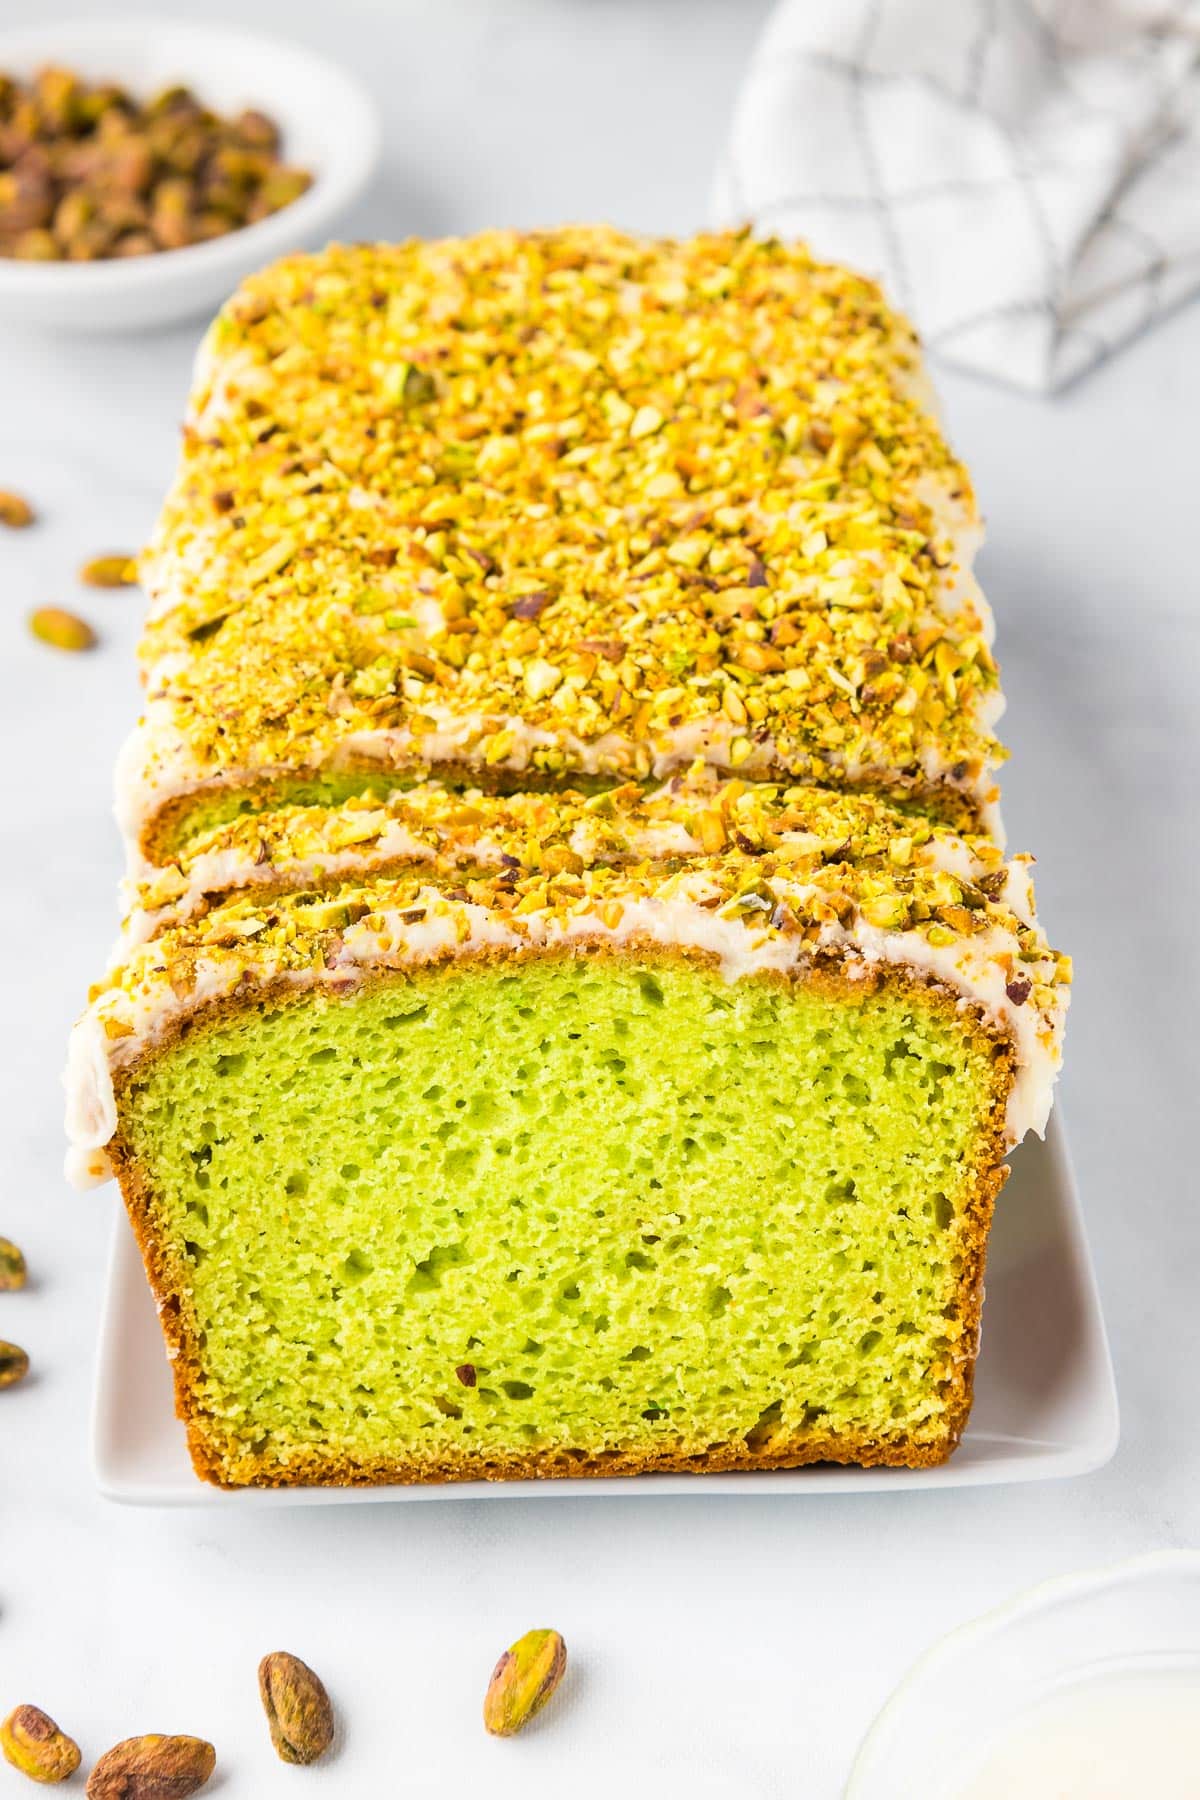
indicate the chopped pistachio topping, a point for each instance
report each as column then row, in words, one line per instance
column 698, row 814
column 567, row 501
column 811, row 870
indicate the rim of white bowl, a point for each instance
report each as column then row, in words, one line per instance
column 335, row 185
column 963, row 1638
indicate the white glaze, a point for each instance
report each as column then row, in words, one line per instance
column 91, row 1110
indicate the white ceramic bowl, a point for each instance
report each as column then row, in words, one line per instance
column 329, row 126
column 960, row 1698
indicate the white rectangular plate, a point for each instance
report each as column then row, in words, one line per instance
column 1045, row 1401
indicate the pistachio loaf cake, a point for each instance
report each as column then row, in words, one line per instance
column 573, row 1003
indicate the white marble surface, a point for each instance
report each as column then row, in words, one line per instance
column 733, row 1648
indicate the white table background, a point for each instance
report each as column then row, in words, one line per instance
column 733, row 1647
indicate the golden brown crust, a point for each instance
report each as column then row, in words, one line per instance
column 218, row 1461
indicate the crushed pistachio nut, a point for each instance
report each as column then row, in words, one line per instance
column 14, row 1364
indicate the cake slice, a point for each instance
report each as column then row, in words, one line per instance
column 606, row 1134
column 565, row 506
column 697, row 812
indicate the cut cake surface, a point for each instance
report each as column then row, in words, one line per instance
column 466, row 1282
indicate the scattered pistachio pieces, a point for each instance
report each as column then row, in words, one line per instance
column 33, row 1743
column 152, row 1768
column 60, row 629
column 89, row 172
column 523, row 1680
column 297, row 1707
column 12, row 1267
column 15, row 510
column 14, row 1364
column 115, row 571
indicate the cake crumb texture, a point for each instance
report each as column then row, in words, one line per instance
column 694, row 1274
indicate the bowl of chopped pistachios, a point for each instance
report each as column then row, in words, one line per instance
column 146, row 166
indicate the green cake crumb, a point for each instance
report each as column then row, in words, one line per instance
column 592, row 1208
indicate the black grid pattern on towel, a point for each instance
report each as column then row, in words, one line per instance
column 854, row 75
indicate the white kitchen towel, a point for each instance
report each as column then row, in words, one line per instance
column 1024, row 175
